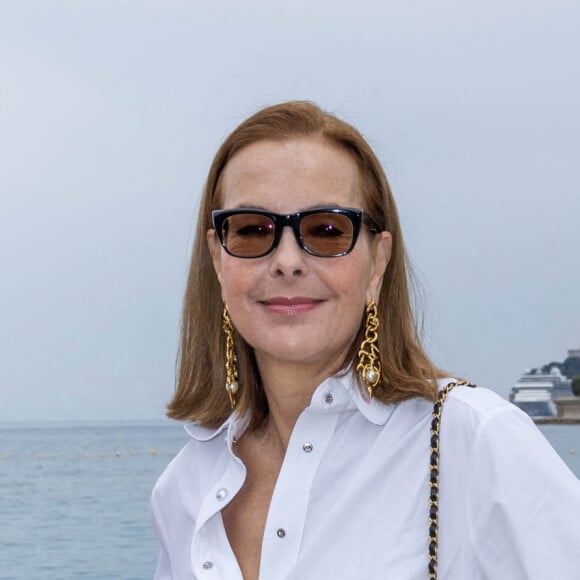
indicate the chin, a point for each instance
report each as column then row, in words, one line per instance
column 300, row 351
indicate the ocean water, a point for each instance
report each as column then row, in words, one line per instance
column 74, row 497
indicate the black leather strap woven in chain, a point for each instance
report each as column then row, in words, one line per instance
column 434, row 475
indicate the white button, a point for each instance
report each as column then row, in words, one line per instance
column 221, row 493
column 281, row 532
column 207, row 565
column 308, row 447
column 328, row 399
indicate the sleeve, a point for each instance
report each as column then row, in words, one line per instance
column 163, row 570
column 523, row 502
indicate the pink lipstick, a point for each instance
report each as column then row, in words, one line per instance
column 290, row 306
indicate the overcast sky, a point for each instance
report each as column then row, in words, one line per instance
column 110, row 113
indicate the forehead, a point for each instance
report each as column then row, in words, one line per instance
column 290, row 175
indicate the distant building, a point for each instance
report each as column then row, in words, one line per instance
column 574, row 353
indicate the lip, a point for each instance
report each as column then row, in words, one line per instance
column 290, row 305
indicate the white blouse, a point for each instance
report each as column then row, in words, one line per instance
column 351, row 499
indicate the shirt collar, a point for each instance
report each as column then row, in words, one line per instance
column 346, row 394
column 234, row 426
column 335, row 394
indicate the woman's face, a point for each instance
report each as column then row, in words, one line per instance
column 290, row 306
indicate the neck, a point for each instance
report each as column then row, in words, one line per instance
column 288, row 388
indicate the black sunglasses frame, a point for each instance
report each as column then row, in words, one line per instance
column 292, row 220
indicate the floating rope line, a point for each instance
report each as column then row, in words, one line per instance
column 85, row 455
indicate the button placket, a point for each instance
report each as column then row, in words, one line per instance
column 287, row 515
column 201, row 553
column 209, row 539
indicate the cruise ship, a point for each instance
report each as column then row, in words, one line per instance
column 535, row 391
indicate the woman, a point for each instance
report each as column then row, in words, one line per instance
column 310, row 397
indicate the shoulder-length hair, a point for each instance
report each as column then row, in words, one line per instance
column 406, row 369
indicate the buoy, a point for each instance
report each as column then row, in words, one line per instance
column 118, row 454
column 572, row 451
column 152, row 452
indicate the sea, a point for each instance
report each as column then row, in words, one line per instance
column 74, row 497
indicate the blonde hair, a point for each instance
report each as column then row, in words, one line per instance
column 406, row 369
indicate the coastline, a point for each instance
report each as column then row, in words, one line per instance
column 556, row 420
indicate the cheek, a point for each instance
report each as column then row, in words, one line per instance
column 228, row 284
column 237, row 278
column 354, row 275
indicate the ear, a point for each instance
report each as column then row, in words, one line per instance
column 215, row 250
column 380, row 256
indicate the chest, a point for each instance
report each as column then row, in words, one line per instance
column 244, row 518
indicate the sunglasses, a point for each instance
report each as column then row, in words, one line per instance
column 252, row 233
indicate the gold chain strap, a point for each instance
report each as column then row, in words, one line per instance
column 434, row 475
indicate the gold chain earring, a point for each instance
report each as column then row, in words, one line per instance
column 231, row 359
column 369, row 363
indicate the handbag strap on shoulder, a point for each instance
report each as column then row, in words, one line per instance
column 434, row 475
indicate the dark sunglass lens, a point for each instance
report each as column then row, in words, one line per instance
column 327, row 233
column 248, row 235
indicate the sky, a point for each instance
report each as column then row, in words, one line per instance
column 110, row 114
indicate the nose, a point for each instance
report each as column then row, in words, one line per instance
column 288, row 259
